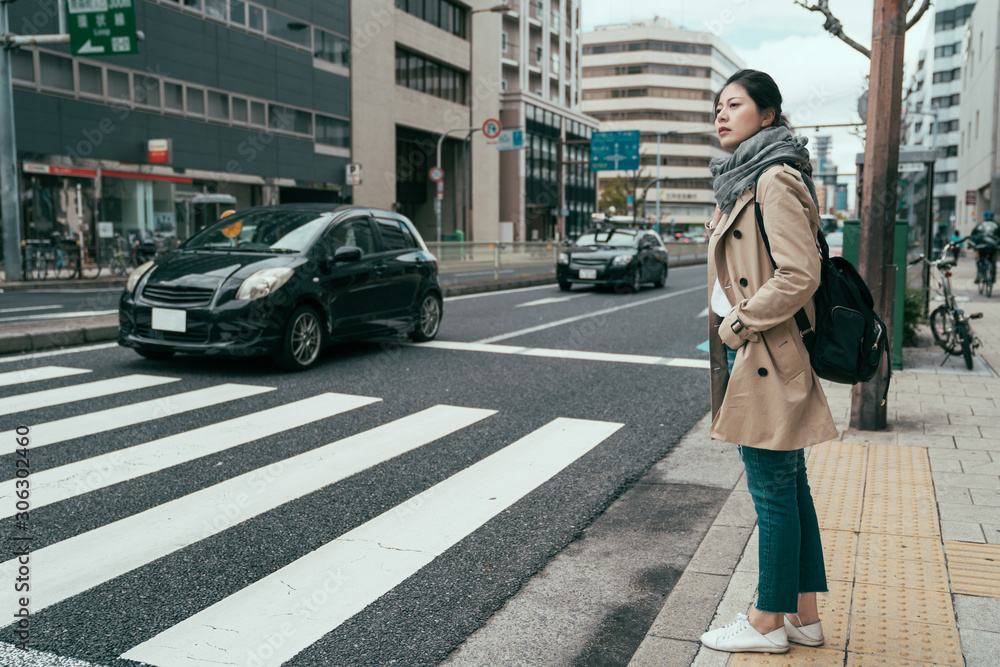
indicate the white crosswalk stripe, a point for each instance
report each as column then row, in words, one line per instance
column 82, row 562
column 90, row 423
column 79, row 392
column 367, row 562
column 64, row 482
column 38, row 374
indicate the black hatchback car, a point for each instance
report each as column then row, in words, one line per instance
column 615, row 256
column 284, row 281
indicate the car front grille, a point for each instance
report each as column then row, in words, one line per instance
column 175, row 295
column 588, row 261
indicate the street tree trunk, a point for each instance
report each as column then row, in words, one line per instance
column 878, row 203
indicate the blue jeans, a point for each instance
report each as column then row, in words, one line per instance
column 790, row 551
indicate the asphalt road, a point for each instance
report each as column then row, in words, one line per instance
column 390, row 548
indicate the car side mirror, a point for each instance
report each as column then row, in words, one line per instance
column 347, row 253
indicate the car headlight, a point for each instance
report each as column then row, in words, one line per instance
column 621, row 260
column 563, row 258
column 263, row 282
column 137, row 273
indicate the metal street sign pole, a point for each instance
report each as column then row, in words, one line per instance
column 10, row 197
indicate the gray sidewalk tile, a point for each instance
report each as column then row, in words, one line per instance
column 983, row 468
column 690, row 607
column 656, row 652
column 946, row 465
column 953, row 495
column 977, row 420
column 986, row 412
column 990, row 444
column 738, row 511
column 708, row 658
column 720, row 550
column 918, row 440
column 962, row 531
column 980, row 648
column 933, row 412
column 870, row 437
column 977, row 613
column 988, row 497
column 992, row 532
column 960, row 454
column 981, row 391
column 966, row 480
column 953, row 430
column 981, row 514
column 977, row 402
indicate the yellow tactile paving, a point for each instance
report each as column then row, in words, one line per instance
column 889, row 603
column 909, row 640
column 974, row 568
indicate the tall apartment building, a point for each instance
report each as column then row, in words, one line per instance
column 660, row 79
column 251, row 97
column 979, row 123
column 428, row 68
column 933, row 104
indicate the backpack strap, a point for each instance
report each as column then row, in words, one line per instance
column 801, row 319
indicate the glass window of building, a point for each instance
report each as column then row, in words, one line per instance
column 146, row 90
column 240, row 110
column 333, row 131
column 56, row 71
column 287, row 28
column 289, row 120
column 215, row 9
column 22, row 65
column 255, row 17
column 173, row 96
column 258, row 114
column 195, row 100
column 238, row 12
column 218, row 105
column 332, row 48
column 119, row 87
column 91, row 79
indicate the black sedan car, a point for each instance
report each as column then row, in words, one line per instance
column 284, row 281
column 619, row 256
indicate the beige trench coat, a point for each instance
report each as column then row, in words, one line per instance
column 773, row 399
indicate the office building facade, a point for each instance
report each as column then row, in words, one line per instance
column 661, row 80
column 236, row 102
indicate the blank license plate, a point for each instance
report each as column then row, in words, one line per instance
column 588, row 274
column 166, row 319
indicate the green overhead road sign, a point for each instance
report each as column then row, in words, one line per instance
column 101, row 27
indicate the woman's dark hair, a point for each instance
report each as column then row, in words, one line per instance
column 762, row 90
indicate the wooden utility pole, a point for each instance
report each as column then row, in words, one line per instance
column 878, row 194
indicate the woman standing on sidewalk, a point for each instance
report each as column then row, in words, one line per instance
column 765, row 396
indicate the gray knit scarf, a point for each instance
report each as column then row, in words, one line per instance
column 739, row 171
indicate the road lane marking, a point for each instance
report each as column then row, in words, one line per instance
column 79, row 392
column 367, row 562
column 92, row 558
column 59, row 316
column 17, row 310
column 56, row 353
column 38, row 374
column 577, row 318
column 703, row 313
column 549, row 300
column 554, row 353
column 101, row 421
column 73, row 479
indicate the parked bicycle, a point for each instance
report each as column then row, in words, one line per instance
column 986, row 267
column 949, row 324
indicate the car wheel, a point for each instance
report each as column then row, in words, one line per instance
column 303, row 339
column 564, row 286
column 155, row 355
column 662, row 280
column 428, row 319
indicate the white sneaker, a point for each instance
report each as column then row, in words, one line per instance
column 806, row 635
column 739, row 637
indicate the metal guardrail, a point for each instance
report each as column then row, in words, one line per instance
column 456, row 256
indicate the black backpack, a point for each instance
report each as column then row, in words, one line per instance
column 848, row 340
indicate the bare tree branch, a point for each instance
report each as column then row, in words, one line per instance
column 920, row 12
column 834, row 26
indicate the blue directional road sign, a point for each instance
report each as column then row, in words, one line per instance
column 613, row 151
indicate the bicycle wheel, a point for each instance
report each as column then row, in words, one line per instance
column 980, row 276
column 991, row 277
column 965, row 336
column 942, row 327
column 119, row 266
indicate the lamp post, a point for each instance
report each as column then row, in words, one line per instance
column 466, row 147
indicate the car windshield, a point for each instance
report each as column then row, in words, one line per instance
column 616, row 238
column 260, row 231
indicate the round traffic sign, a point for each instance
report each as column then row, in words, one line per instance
column 437, row 174
column 492, row 128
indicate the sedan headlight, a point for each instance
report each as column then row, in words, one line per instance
column 137, row 273
column 621, row 260
column 564, row 258
column 262, row 283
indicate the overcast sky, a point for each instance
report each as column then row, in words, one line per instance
column 820, row 76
